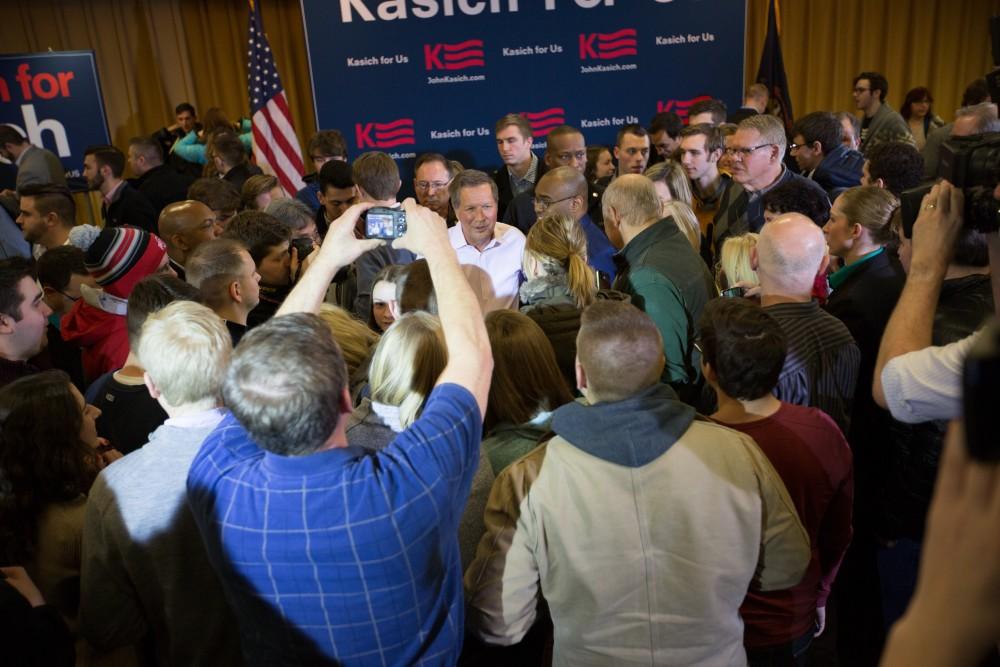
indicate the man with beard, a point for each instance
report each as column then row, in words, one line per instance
column 122, row 204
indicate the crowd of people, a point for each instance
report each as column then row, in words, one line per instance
column 679, row 401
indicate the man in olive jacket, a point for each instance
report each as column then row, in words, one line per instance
column 661, row 272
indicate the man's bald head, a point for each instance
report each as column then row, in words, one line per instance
column 790, row 253
column 562, row 190
column 185, row 225
column 568, row 180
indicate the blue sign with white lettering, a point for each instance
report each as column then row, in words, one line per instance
column 409, row 76
column 55, row 100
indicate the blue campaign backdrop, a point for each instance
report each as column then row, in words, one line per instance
column 409, row 76
column 55, row 100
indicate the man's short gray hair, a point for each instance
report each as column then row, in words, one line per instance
column 291, row 212
column 771, row 129
column 985, row 114
column 470, row 178
column 285, row 383
column 634, row 198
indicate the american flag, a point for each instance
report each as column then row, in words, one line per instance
column 274, row 142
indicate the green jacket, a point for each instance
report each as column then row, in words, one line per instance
column 670, row 282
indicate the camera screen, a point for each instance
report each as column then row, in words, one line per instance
column 380, row 225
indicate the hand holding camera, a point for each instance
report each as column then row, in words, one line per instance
column 341, row 246
column 426, row 231
column 937, row 227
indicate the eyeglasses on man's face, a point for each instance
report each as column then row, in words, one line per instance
column 744, row 153
column 543, row 203
column 424, row 186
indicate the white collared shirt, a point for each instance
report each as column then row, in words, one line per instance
column 494, row 273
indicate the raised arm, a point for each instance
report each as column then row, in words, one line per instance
column 912, row 322
column 340, row 248
column 470, row 361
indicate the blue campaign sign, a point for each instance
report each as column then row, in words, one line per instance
column 55, row 100
column 408, row 76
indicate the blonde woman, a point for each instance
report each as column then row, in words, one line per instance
column 407, row 362
column 683, row 216
column 671, row 182
column 560, row 284
column 735, row 268
column 866, row 289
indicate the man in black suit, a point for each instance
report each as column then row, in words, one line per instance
column 522, row 168
column 122, row 204
column 231, row 160
column 161, row 183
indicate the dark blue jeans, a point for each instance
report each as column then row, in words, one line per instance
column 792, row 654
column 897, row 570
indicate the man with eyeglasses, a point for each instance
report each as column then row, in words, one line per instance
column 183, row 227
column 755, row 153
column 881, row 123
column 324, row 146
column 564, row 191
column 431, row 178
column 821, row 155
column 565, row 147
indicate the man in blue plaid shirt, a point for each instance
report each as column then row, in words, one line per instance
column 326, row 553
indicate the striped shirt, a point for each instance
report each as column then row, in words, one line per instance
column 342, row 556
column 519, row 184
column 821, row 365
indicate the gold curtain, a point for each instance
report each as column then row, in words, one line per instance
column 152, row 54
column 941, row 44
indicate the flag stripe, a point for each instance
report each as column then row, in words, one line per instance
column 275, row 146
column 281, row 118
column 271, row 162
column 276, row 155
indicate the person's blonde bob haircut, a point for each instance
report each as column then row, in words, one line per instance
column 672, row 174
column 407, row 363
column 734, row 261
column 185, row 348
column 355, row 339
column 686, row 221
column 558, row 238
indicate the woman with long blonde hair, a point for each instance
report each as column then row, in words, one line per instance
column 560, row 284
column 408, row 360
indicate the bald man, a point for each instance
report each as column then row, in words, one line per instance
column 662, row 274
column 564, row 190
column 565, row 146
column 821, row 367
column 184, row 226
